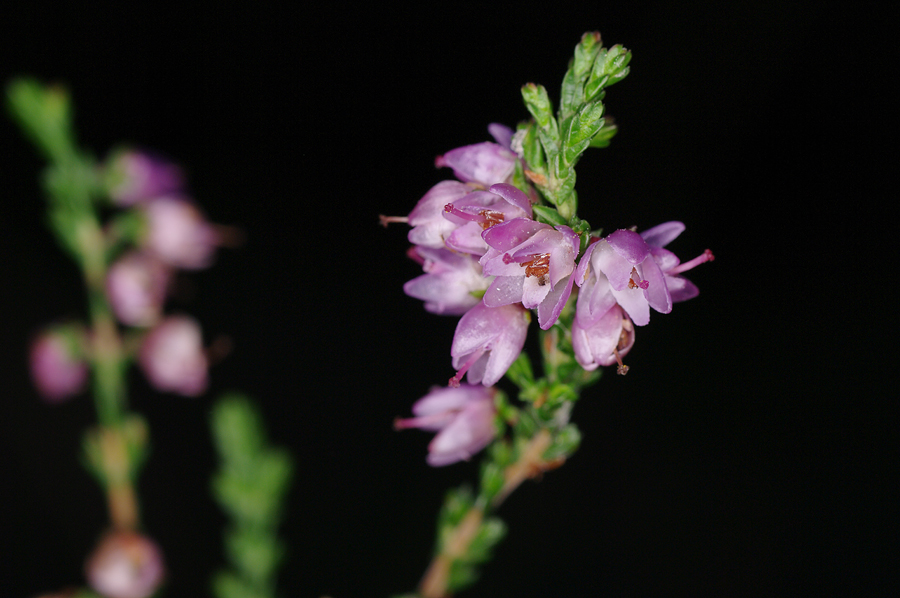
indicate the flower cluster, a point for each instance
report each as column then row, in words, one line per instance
column 487, row 258
column 158, row 231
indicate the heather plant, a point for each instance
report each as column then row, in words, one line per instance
column 129, row 225
column 504, row 244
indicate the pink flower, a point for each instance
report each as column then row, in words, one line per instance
column 136, row 286
column 486, row 342
column 452, row 283
column 603, row 341
column 173, row 359
column 454, row 215
column 462, row 416
column 429, row 227
column 483, row 163
column 135, row 176
column 178, row 234
column 125, row 565
column 58, row 368
column 637, row 272
column 533, row 263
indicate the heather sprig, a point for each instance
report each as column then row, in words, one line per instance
column 552, row 145
column 129, row 226
column 250, row 486
column 532, row 252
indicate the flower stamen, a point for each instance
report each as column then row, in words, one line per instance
column 706, row 256
column 385, row 220
column 458, row 376
column 621, row 369
column 633, row 284
column 485, row 218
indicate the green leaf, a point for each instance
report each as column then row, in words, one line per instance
column 533, row 150
column 564, row 444
column 492, row 480
column 548, row 216
column 572, row 93
column 605, row 134
column 492, row 530
column 457, row 502
column 610, row 67
column 461, row 576
column 520, row 372
column 538, row 104
column 45, row 116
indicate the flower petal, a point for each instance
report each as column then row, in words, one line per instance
column 663, row 234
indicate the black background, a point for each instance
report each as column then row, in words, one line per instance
column 750, row 452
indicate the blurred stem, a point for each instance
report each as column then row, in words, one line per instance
column 530, row 464
column 110, row 398
column 107, row 353
column 120, row 494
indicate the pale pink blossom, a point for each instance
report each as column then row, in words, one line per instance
column 178, row 234
column 125, row 564
column 58, row 367
column 136, row 286
column 487, row 341
column 463, row 418
column 172, row 357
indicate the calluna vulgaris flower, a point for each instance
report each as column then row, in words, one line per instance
column 135, row 176
column 178, row 234
column 463, row 418
column 136, row 286
column 172, row 357
column 58, row 368
column 483, row 163
column 452, row 282
column 487, row 341
column 533, row 263
column 629, row 272
column 454, row 215
column 125, row 565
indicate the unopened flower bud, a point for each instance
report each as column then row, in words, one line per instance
column 125, row 564
column 483, row 163
column 58, row 367
column 173, row 359
column 133, row 177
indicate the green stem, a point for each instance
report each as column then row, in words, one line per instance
column 110, row 391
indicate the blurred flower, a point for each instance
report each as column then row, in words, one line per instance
column 172, row 357
column 533, row 263
column 133, row 176
column 125, row 565
column 452, row 283
column 178, row 234
column 58, row 368
column 486, row 342
column 463, row 418
column 483, row 163
column 136, row 286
